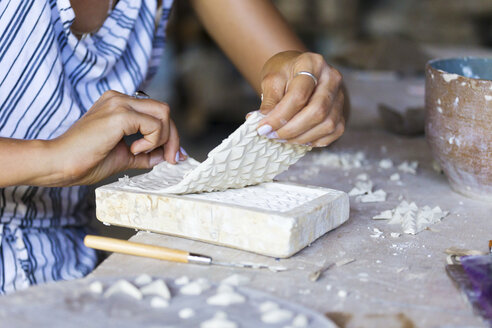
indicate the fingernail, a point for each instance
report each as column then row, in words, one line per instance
column 183, row 151
column 176, row 158
column 272, row 135
column 249, row 114
column 308, row 144
column 281, row 140
column 264, row 129
column 137, row 153
column 156, row 159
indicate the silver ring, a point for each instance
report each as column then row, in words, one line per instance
column 315, row 79
column 139, row 94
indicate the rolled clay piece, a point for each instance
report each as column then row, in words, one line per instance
column 241, row 160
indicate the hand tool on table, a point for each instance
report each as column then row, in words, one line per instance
column 163, row 253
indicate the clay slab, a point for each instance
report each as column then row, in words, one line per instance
column 273, row 219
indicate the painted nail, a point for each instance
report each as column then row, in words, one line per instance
column 264, row 130
column 272, row 135
column 156, row 159
column 183, row 151
column 176, row 158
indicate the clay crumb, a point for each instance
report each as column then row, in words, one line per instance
column 123, row 287
column 386, row 163
column 219, row 320
column 377, row 233
column 157, row 288
column 409, row 167
column 195, row 287
column 395, row 177
column 96, row 287
column 158, row 302
column 236, row 280
column 183, row 280
column 186, row 313
column 143, row 279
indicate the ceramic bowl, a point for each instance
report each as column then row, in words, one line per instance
column 458, row 126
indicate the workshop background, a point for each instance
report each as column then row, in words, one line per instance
column 207, row 94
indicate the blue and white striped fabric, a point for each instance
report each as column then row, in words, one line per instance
column 48, row 80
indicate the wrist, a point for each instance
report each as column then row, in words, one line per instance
column 48, row 168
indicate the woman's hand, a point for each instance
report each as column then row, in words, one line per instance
column 93, row 149
column 300, row 109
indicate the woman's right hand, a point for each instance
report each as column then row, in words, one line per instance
column 93, row 148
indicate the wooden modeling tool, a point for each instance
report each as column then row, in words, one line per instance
column 164, row 253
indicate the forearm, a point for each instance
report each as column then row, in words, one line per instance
column 27, row 162
column 249, row 32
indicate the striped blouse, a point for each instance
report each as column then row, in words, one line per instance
column 48, row 80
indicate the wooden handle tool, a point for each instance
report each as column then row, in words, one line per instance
column 145, row 250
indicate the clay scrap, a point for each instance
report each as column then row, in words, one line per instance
column 412, row 218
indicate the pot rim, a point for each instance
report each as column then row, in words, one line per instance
column 429, row 64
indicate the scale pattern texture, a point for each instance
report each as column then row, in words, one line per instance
column 243, row 159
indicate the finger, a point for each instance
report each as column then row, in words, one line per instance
column 297, row 96
column 325, row 141
column 171, row 146
column 319, row 106
column 317, row 119
column 273, row 89
column 149, row 126
column 147, row 161
column 154, row 108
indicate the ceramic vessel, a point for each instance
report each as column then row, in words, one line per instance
column 458, row 101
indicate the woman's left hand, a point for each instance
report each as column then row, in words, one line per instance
column 299, row 108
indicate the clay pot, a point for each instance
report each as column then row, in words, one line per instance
column 458, row 102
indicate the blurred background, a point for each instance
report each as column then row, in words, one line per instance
column 382, row 41
column 379, row 39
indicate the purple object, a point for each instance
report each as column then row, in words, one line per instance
column 474, row 278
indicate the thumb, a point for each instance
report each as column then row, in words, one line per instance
column 273, row 87
column 147, row 161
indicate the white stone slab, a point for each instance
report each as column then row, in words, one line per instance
column 274, row 219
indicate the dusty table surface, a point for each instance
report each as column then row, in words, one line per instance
column 399, row 281
column 394, row 282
